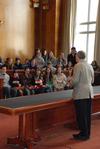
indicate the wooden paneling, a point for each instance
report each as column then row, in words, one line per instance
column 17, row 32
column 28, row 28
column 45, row 26
column 50, row 26
column 64, row 27
column 60, row 115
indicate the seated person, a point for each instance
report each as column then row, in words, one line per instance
column 68, row 68
column 38, row 82
column 45, row 56
column 27, row 82
column 59, row 80
column 16, row 87
column 48, row 79
column 69, row 77
column 38, row 61
column 52, row 59
column 62, row 60
column 1, row 62
column 9, row 63
column 19, row 86
column 27, row 63
column 18, row 64
column 49, row 65
column 95, row 65
column 96, row 68
column 6, row 85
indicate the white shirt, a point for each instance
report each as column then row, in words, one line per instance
column 83, row 77
column 6, row 78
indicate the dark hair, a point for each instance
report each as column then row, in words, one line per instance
column 3, row 66
column 73, row 48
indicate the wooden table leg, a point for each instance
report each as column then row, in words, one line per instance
column 28, row 134
column 31, row 132
column 35, row 129
column 28, row 131
column 19, row 140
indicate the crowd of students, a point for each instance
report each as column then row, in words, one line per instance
column 43, row 73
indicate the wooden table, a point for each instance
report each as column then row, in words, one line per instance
column 41, row 111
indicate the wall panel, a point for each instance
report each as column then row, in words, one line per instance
column 17, row 32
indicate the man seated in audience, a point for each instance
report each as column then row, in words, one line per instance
column 16, row 85
column 9, row 63
column 6, row 85
column 38, row 60
column 18, row 64
column 27, row 82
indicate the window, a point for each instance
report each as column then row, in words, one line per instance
column 86, row 27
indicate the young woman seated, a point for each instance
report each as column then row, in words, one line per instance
column 48, row 79
column 59, row 80
column 39, row 87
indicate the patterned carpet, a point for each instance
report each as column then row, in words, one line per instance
column 55, row 138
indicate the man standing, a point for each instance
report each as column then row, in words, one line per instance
column 71, row 58
column 83, row 77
